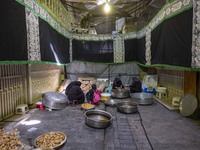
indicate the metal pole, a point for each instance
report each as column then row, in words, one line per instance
column 29, row 84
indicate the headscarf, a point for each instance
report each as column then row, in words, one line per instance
column 117, row 79
column 117, row 83
column 77, row 83
column 70, row 86
column 94, row 87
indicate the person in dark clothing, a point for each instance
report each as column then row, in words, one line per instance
column 69, row 87
column 136, row 85
column 117, row 83
column 75, row 92
column 90, row 96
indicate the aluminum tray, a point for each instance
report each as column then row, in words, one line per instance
column 127, row 107
column 55, row 100
column 55, row 147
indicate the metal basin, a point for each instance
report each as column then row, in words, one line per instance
column 143, row 98
column 54, row 147
column 98, row 119
column 55, row 100
column 120, row 93
column 127, row 107
column 111, row 102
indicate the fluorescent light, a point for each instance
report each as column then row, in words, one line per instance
column 107, row 8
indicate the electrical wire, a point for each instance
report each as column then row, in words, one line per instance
column 145, row 131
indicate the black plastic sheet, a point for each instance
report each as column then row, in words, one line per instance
column 135, row 50
column 93, row 51
column 54, row 47
column 172, row 41
column 13, row 41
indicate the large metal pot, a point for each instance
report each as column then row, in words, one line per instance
column 111, row 102
column 120, row 93
column 98, row 119
column 55, row 100
column 127, row 107
column 143, row 98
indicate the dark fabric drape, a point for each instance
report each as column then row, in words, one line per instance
column 130, row 50
column 92, row 51
column 54, row 47
column 172, row 40
column 141, row 48
column 13, row 41
column 135, row 50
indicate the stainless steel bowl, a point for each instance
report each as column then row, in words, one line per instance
column 127, row 107
column 143, row 98
column 55, row 100
column 55, row 147
column 120, row 93
column 98, row 119
column 111, row 102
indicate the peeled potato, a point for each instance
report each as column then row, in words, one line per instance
column 50, row 139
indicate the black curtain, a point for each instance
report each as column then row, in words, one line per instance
column 130, row 50
column 172, row 41
column 13, row 41
column 54, row 47
column 141, row 49
column 135, row 50
column 92, row 51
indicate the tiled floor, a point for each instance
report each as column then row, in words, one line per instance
column 152, row 127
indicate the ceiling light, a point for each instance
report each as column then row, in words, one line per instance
column 107, row 8
column 100, row 2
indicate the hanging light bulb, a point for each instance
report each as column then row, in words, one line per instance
column 107, row 8
column 100, row 2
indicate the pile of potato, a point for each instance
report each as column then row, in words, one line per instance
column 50, row 140
column 9, row 141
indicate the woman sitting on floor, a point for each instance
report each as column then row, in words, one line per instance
column 74, row 92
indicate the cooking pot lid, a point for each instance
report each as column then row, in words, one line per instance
column 188, row 104
column 55, row 97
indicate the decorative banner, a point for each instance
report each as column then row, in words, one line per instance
column 33, row 39
column 42, row 13
column 167, row 11
column 70, row 51
column 143, row 36
column 87, row 37
column 196, row 35
column 148, row 47
column 119, row 52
